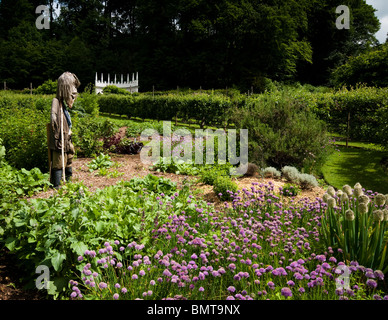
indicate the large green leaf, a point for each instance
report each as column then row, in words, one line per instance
column 79, row 247
column 57, row 259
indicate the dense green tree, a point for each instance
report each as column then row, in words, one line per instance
column 370, row 68
column 189, row 43
column 332, row 46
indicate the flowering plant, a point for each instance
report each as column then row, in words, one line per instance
column 355, row 221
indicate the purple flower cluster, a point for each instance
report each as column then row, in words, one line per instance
column 252, row 249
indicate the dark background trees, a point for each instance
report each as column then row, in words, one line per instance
column 186, row 43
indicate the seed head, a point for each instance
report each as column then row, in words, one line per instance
column 385, row 212
column 344, row 197
column 357, row 185
column 378, row 215
column 331, row 202
column 380, row 199
column 331, row 191
column 363, row 208
column 347, row 189
column 357, row 192
column 364, row 199
column 349, row 215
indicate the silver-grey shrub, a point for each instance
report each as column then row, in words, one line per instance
column 307, row 181
column 271, row 172
column 291, row 174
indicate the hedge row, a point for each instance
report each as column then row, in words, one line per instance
column 206, row 109
column 360, row 113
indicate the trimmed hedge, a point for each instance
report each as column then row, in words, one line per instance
column 206, row 109
column 365, row 107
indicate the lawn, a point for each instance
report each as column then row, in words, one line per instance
column 356, row 164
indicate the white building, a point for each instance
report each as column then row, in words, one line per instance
column 131, row 86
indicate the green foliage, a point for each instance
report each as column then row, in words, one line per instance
column 115, row 90
column 88, row 134
column 177, row 166
column 100, row 162
column 290, row 190
column 209, row 173
column 55, row 231
column 47, row 87
column 368, row 68
column 205, row 108
column 282, row 131
column 18, row 183
column 365, row 107
column 23, row 132
column 357, row 223
column 153, row 183
column 224, row 187
column 88, row 101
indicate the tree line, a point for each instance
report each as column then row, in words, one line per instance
column 190, row 43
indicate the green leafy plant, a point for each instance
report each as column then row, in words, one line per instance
column 224, row 187
column 290, row 190
column 103, row 161
column 356, row 223
column 175, row 165
column 209, row 173
column 88, row 134
column 153, row 184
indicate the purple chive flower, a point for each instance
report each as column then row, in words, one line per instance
column 102, row 285
column 142, row 273
column 152, row 282
column 124, row 290
column 379, row 274
column 80, row 258
column 290, row 283
column 116, row 296
column 301, row 290
column 231, row 289
column 286, row 292
column 134, row 277
column 371, row 283
column 201, row 289
column 167, row 273
column 73, row 294
column 339, row 292
column 117, row 285
column 230, row 298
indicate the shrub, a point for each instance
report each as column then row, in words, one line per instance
column 271, row 172
column 210, row 173
column 282, row 131
column 290, row 190
column 47, row 87
column 252, row 170
column 223, row 187
column 307, row 181
column 115, row 90
column 23, row 132
column 88, row 134
column 88, row 101
column 291, row 174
